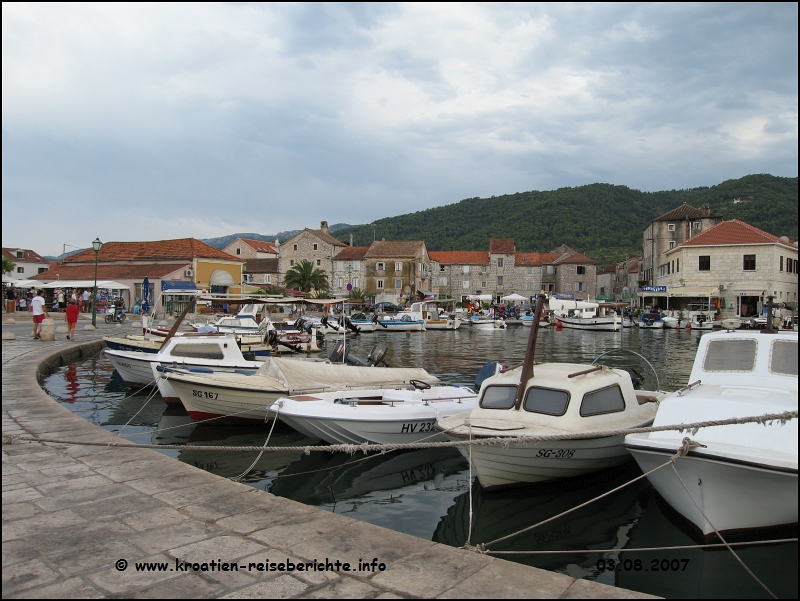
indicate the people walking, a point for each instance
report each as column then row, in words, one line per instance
column 71, row 317
column 39, row 313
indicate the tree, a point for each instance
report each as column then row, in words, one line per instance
column 304, row 276
column 356, row 294
column 8, row 265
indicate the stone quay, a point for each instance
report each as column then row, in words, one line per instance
column 77, row 520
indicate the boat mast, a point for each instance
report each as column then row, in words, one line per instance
column 527, row 364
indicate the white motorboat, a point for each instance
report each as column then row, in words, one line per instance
column 558, row 399
column 585, row 315
column 675, row 320
column 544, row 321
column 487, row 323
column 651, row 320
column 701, row 320
column 209, row 352
column 237, row 397
column 383, row 416
column 742, row 476
column 401, row 322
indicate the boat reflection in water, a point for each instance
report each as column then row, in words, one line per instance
column 599, row 525
column 338, row 477
column 709, row 573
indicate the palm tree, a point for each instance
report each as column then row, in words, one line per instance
column 304, row 276
column 356, row 294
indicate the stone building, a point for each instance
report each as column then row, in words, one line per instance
column 317, row 246
column 26, row 263
column 732, row 267
column 349, row 267
column 626, row 280
column 261, row 273
column 575, row 274
column 605, row 287
column 246, row 248
column 395, row 271
column 459, row 273
column 668, row 231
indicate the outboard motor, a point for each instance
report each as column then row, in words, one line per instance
column 377, row 354
column 351, row 326
column 342, row 350
column 490, row 369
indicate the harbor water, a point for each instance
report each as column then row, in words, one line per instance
column 426, row 493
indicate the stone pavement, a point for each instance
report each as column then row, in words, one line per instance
column 71, row 513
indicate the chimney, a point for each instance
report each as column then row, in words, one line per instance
column 324, row 227
column 706, row 211
column 351, row 239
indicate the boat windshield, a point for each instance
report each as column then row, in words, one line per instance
column 546, row 400
column 498, row 397
column 784, row 357
column 197, row 351
column 731, row 355
column 605, row 400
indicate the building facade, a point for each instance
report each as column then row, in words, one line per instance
column 732, row 267
column 670, row 230
column 27, row 263
column 245, row 248
column 397, row 271
column 316, row 246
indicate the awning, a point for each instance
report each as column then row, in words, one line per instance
column 101, row 284
column 514, row 297
column 694, row 291
column 22, row 283
column 220, row 277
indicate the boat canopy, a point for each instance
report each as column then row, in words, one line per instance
column 558, row 304
column 298, row 376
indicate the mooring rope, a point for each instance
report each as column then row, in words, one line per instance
column 757, row 543
column 369, row 447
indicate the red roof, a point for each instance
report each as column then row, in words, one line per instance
column 352, row 253
column 609, row 269
column 261, row 245
column 28, row 256
column 110, row 272
column 733, row 232
column 460, row 257
column 502, row 246
column 183, row 248
column 576, row 258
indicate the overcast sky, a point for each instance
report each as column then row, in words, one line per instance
column 151, row 121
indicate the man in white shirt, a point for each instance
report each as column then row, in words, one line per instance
column 39, row 313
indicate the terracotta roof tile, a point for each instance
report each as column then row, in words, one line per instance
column 730, row 233
column 685, row 211
column 261, row 245
column 319, row 234
column 460, row 257
column 502, row 246
column 28, row 256
column 526, row 259
column 182, row 248
column 609, row 269
column 575, row 258
column 261, row 266
column 387, row 249
column 352, row 253
column 111, row 272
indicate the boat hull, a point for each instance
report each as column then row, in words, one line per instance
column 600, row 324
column 734, row 496
column 442, row 324
column 205, row 400
column 498, row 466
column 401, row 326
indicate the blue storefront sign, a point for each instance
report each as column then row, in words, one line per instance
column 654, row 288
column 565, row 296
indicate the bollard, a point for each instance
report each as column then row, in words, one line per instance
column 48, row 329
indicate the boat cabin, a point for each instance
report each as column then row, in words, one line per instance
column 746, row 358
column 562, row 396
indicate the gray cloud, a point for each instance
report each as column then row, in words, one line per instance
column 163, row 122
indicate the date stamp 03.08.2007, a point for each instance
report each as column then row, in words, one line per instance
column 639, row 565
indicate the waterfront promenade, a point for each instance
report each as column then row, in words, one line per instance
column 71, row 513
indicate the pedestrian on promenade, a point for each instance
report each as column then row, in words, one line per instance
column 80, row 302
column 39, row 313
column 62, row 300
column 71, row 317
column 87, row 303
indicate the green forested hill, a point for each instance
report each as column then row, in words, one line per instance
column 602, row 220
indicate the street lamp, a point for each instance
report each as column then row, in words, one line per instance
column 96, row 245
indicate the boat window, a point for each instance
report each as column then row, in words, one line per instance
column 730, row 354
column 606, row 400
column 197, row 351
column 498, row 397
column 547, row 401
column 784, row 358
